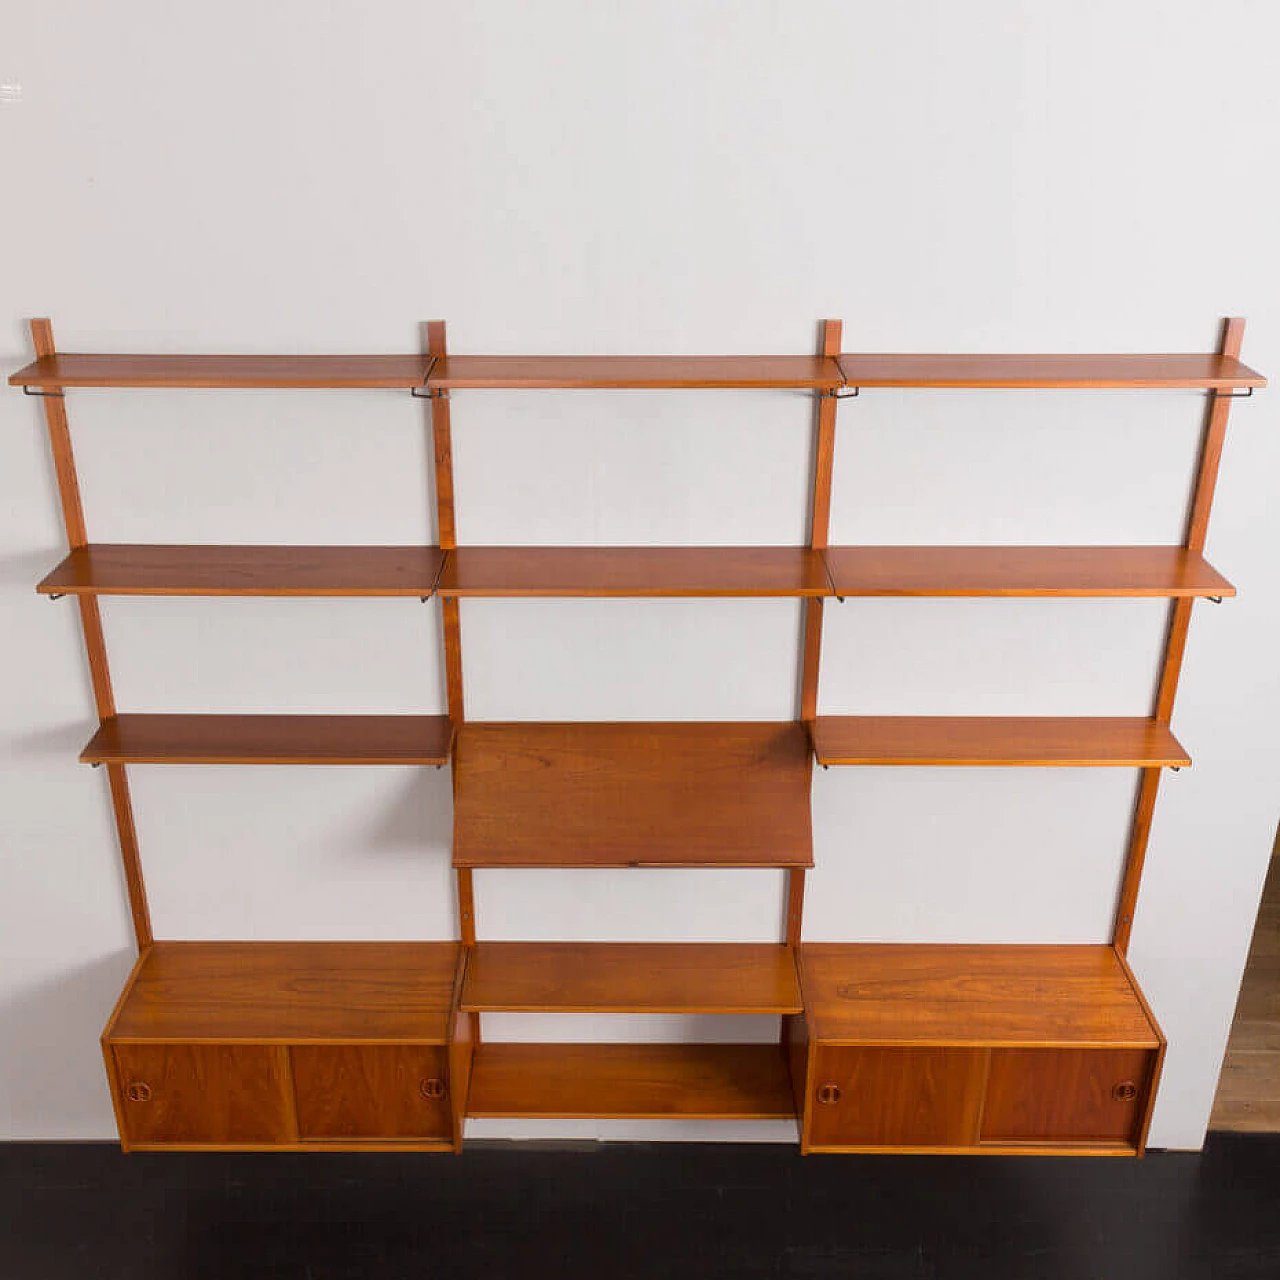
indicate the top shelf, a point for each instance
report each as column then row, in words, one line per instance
column 816, row 373
column 533, row 372
column 1206, row 372
column 224, row 371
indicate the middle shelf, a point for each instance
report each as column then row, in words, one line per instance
column 631, row 977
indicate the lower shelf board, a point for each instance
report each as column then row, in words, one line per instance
column 631, row 1081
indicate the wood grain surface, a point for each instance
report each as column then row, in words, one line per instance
column 634, row 571
column 274, row 739
column 173, row 570
column 941, row 994
column 635, row 977
column 632, row 794
column 290, row 992
column 689, row 372
column 1083, row 371
column 68, row 369
column 631, row 1081
column 1022, row 571
column 995, row 740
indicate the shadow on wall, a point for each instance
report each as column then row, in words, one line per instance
column 56, row 1080
column 23, row 569
column 417, row 821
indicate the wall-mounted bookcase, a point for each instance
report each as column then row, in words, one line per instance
column 375, row 1045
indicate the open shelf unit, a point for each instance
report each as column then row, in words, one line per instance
column 339, row 1045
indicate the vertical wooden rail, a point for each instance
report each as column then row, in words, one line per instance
column 446, row 528
column 1175, row 645
column 820, row 521
column 55, row 413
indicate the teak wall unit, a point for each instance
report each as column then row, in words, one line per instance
column 324, row 1045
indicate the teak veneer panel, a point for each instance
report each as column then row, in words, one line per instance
column 1067, row 371
column 160, row 570
column 991, row 995
column 1023, row 571
column 995, row 740
column 634, row 571
column 632, row 794
column 74, row 370
column 372, row 1093
column 270, row 739
column 207, row 1094
column 619, row 372
column 638, row 977
column 289, row 992
column 1066, row 1095
column 631, row 1081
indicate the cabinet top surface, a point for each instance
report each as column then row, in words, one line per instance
column 878, row 993
column 290, row 992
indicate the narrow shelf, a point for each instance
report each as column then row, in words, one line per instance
column 282, row 739
column 1082, row 371
column 631, row 1081
column 70, row 370
column 1023, row 571
column 641, row 977
column 995, row 740
column 634, row 571
column 632, row 794
column 147, row 569
column 1034, row 996
column 531, row 372
column 289, row 992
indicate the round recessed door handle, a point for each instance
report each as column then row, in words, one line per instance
column 1125, row 1091
column 138, row 1091
column 829, row 1093
column 431, row 1089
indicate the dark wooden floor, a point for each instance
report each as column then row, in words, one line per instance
column 661, row 1212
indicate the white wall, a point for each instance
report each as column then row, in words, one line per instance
column 572, row 176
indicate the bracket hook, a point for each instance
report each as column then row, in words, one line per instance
column 49, row 395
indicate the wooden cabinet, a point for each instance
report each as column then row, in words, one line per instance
column 989, row 1048
column 1067, row 1095
column 287, row 1045
column 371, row 1092
column 219, row 1095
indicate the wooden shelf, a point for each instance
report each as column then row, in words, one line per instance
column 289, row 992
column 1082, row 371
column 632, row 794
column 643, row 977
column 1045, row 996
column 634, row 571
column 1023, row 571
column 995, row 740
column 531, row 372
column 631, row 1081
column 190, row 570
column 70, row 370
column 282, row 739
